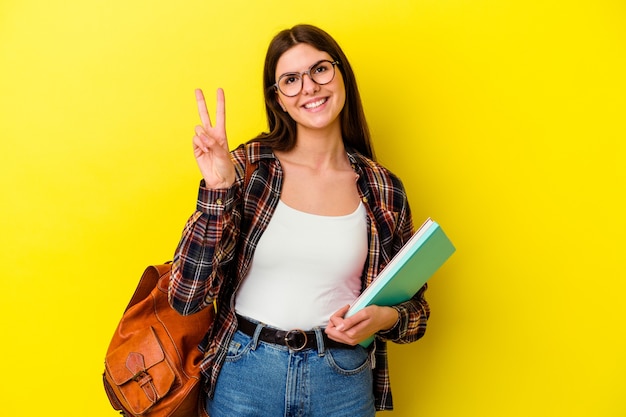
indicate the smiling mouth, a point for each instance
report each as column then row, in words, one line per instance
column 315, row 104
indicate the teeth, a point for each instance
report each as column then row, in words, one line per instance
column 315, row 104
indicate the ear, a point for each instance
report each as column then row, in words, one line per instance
column 280, row 103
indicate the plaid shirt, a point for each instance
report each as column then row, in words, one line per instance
column 219, row 240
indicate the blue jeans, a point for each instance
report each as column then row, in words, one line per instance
column 267, row 380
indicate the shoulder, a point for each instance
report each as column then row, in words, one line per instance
column 253, row 151
column 382, row 188
column 376, row 175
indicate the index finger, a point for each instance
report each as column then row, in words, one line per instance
column 202, row 109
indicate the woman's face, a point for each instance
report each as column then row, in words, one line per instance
column 316, row 106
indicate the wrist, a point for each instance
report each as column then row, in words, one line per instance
column 390, row 318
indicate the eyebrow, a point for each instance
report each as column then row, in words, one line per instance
column 307, row 68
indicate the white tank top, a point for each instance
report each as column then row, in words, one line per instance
column 305, row 268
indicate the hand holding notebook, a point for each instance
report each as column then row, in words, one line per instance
column 422, row 255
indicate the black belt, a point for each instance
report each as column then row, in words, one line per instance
column 294, row 339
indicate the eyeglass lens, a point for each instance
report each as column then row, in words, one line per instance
column 290, row 84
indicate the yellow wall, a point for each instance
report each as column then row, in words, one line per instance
column 505, row 118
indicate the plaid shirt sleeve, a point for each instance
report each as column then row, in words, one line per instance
column 413, row 314
column 207, row 246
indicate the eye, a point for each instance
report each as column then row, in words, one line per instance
column 321, row 67
column 288, row 79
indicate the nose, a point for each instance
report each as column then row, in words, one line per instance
column 308, row 85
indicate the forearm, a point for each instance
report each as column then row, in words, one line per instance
column 411, row 322
column 207, row 245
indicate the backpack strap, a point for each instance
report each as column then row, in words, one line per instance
column 250, row 167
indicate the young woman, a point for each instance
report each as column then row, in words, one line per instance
column 283, row 253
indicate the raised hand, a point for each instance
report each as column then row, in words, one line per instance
column 210, row 145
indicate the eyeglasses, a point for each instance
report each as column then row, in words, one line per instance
column 322, row 72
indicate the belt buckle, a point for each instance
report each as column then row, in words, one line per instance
column 295, row 333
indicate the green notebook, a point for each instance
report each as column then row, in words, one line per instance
column 422, row 255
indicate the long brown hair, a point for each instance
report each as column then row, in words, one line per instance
column 282, row 128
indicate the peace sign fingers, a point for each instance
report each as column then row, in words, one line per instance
column 211, row 144
column 218, row 133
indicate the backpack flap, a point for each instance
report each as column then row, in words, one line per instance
column 140, row 370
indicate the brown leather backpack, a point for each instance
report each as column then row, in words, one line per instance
column 152, row 363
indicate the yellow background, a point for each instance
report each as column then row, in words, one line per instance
column 505, row 119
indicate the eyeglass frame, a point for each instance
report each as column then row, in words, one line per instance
column 307, row 72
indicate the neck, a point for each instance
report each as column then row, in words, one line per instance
column 319, row 149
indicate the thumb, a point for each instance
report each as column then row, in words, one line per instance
column 337, row 318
